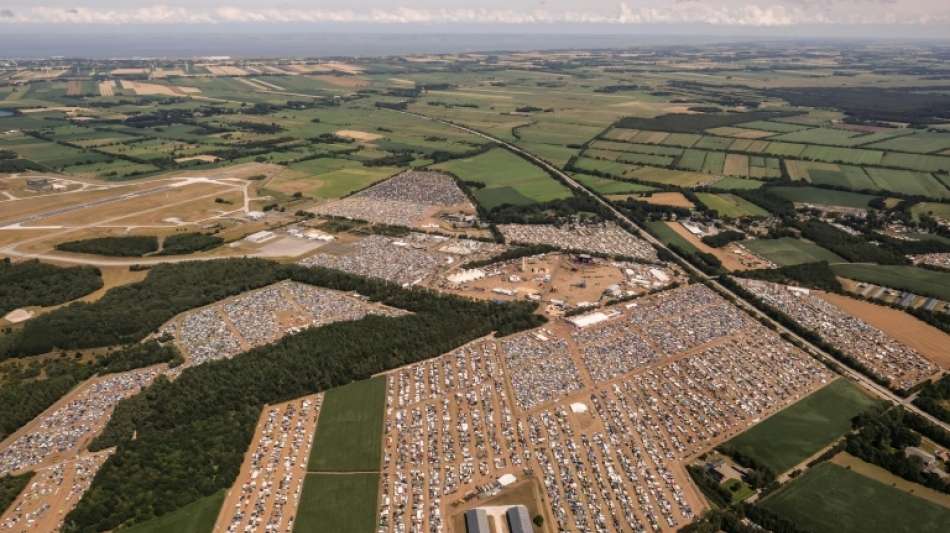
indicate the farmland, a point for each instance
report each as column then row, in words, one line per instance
column 731, row 206
column 906, row 278
column 791, row 251
column 799, row 431
column 829, row 498
column 507, row 179
column 331, row 502
column 349, row 431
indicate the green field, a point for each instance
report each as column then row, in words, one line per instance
column 908, row 182
column 507, row 178
column 730, row 205
column 832, row 499
column 331, row 177
column 814, row 195
column 790, row 251
column 608, row 186
column 349, row 431
column 802, row 429
column 737, row 184
column 338, row 503
column 196, row 517
column 906, row 278
column 931, row 208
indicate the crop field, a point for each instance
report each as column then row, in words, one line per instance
column 730, row 205
column 664, row 176
column 921, row 142
column 908, row 182
column 853, row 156
column 338, row 503
column 924, row 163
column 917, row 280
column 507, row 179
column 790, row 251
column 804, row 428
column 830, row 499
column 608, row 186
column 931, row 208
column 737, row 183
column 813, row 195
column 349, row 431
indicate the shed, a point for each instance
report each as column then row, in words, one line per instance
column 476, row 521
column 519, row 521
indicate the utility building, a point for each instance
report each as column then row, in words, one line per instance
column 518, row 519
column 476, row 521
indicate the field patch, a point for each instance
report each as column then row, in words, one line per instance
column 329, row 178
column 349, row 432
column 608, row 186
column 339, row 503
column 830, row 499
column 804, row 428
column 813, row 195
column 730, row 205
column 906, row 278
column 790, row 251
column 499, row 168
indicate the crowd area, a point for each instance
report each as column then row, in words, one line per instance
column 267, row 491
column 606, row 238
column 407, row 199
column 541, row 368
column 68, row 428
column 609, row 453
column 53, row 492
column 258, row 317
column 939, row 260
column 886, row 358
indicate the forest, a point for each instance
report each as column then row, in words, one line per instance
column 191, row 433
column 10, row 487
column 126, row 246
column 850, row 247
column 934, row 398
column 186, row 243
column 695, row 122
column 34, row 283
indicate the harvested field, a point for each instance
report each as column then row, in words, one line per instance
column 675, row 199
column 73, row 88
column 348, row 82
column 926, row 339
column 736, row 165
column 226, row 70
column 359, row 135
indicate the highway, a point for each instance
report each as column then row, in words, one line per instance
column 742, row 302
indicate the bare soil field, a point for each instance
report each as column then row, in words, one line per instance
column 74, row 88
column 675, row 199
column 359, row 135
column 107, row 88
column 926, row 339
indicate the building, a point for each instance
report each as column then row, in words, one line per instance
column 38, row 184
column 476, row 521
column 518, row 519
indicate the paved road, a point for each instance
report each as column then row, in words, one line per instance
column 742, row 302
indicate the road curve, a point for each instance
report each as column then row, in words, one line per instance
column 749, row 307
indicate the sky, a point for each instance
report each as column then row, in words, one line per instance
column 879, row 17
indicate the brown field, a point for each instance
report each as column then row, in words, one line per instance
column 74, row 88
column 359, row 135
column 349, row 82
column 736, row 165
column 107, row 88
column 129, row 71
column 205, row 158
column 146, row 89
column 879, row 474
column 926, row 339
column 226, row 70
column 675, row 199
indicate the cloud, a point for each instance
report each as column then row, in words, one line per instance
column 716, row 12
